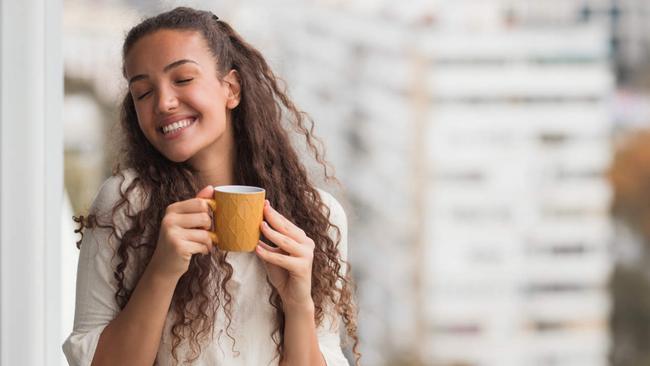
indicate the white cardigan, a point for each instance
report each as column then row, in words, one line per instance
column 252, row 315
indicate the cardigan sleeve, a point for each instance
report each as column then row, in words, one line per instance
column 329, row 339
column 95, row 304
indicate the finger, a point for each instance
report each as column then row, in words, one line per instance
column 289, row 263
column 193, row 220
column 270, row 248
column 282, row 224
column 193, row 205
column 282, row 241
column 196, row 248
column 198, row 236
column 206, row 192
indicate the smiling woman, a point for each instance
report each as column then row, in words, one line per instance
column 203, row 109
column 182, row 104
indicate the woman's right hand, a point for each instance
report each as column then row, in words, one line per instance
column 184, row 231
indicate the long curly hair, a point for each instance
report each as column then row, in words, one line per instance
column 265, row 158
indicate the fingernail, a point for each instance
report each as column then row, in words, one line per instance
column 265, row 224
column 267, row 203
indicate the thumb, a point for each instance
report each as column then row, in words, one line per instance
column 205, row 192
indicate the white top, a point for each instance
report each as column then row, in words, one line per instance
column 253, row 317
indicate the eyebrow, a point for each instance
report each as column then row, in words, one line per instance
column 165, row 69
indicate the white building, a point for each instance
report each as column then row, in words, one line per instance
column 517, row 216
column 473, row 137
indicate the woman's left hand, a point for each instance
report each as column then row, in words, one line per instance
column 289, row 265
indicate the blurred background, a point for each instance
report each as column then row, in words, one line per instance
column 495, row 156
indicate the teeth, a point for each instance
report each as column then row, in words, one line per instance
column 173, row 127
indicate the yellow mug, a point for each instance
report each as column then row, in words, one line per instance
column 237, row 215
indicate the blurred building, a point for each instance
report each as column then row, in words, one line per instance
column 630, row 37
column 473, row 137
column 517, row 217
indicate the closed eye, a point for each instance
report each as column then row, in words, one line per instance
column 144, row 95
column 181, row 82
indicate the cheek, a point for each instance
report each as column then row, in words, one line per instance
column 145, row 123
column 143, row 112
column 209, row 98
column 213, row 111
column 141, row 119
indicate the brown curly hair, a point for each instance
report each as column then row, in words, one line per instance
column 265, row 158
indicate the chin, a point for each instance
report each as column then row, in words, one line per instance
column 178, row 156
column 177, row 160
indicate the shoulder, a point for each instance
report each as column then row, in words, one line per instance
column 337, row 214
column 338, row 218
column 113, row 189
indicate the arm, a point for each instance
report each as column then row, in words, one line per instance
column 300, row 340
column 133, row 337
column 289, row 268
column 329, row 338
column 101, row 331
column 323, row 342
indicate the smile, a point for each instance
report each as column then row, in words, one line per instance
column 177, row 126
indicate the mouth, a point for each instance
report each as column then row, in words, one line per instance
column 175, row 128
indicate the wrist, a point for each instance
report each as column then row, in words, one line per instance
column 158, row 277
column 304, row 308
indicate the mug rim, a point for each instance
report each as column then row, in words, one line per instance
column 239, row 189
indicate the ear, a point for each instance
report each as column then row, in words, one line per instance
column 234, row 89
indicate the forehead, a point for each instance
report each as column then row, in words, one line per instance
column 156, row 50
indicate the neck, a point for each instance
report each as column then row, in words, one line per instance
column 216, row 177
column 215, row 164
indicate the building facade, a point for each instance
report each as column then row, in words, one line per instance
column 473, row 137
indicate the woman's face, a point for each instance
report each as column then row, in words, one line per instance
column 183, row 108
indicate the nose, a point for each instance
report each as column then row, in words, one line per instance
column 167, row 100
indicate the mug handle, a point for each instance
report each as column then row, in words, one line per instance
column 213, row 206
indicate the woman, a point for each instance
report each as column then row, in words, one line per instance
column 203, row 109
